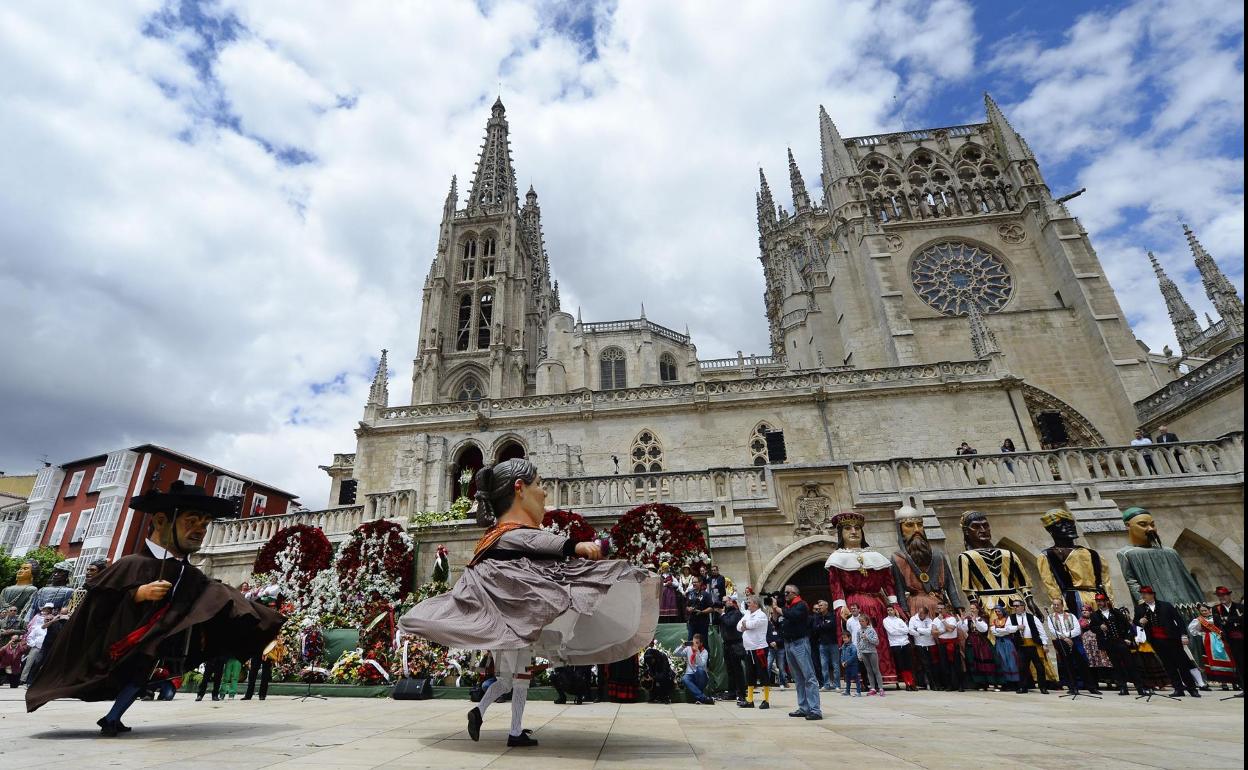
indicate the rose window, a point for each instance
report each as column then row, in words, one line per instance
column 951, row 275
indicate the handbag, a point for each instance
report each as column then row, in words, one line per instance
column 409, row 688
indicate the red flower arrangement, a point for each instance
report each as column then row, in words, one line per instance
column 315, row 551
column 569, row 524
column 652, row 534
column 396, row 556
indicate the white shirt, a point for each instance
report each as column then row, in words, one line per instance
column 921, row 630
column 853, row 627
column 947, row 627
column 753, row 628
column 1141, row 441
column 981, row 625
column 897, row 630
column 1025, row 628
column 1063, row 625
column 1008, row 629
column 35, row 632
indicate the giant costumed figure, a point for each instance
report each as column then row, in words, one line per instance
column 152, row 610
column 19, row 594
column 921, row 571
column 862, row 577
column 57, row 592
column 1070, row 572
column 527, row 591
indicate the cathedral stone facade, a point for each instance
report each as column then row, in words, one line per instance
column 938, row 293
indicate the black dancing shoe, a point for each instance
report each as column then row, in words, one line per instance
column 474, row 723
column 107, row 729
column 745, row 704
column 122, row 728
column 1195, row 693
column 1123, row 691
column 764, row 705
column 523, row 739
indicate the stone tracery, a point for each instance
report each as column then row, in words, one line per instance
column 948, row 276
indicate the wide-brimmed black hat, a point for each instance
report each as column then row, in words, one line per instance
column 182, row 498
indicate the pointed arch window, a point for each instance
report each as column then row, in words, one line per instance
column 489, row 254
column 463, row 324
column 469, row 390
column 485, row 319
column 611, row 369
column 468, row 264
column 667, row 368
column 758, row 444
column 647, row 454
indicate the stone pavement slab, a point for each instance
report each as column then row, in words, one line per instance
column 929, row 730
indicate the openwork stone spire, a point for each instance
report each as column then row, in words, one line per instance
column 452, row 196
column 983, row 341
column 1013, row 146
column 1218, row 287
column 495, row 180
column 766, row 204
column 801, row 199
column 1186, row 327
column 836, row 161
column 379, row 393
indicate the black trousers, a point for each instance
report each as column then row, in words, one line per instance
column 261, row 667
column 756, row 672
column 1028, row 661
column 14, row 678
column 734, row 662
column 1125, row 667
column 212, row 670
column 949, row 661
column 922, row 660
column 1236, row 649
column 1071, row 662
column 1177, row 665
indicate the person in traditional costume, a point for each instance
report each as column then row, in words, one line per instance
column 1099, row 664
column 1067, row 635
column 527, row 591
column 1228, row 615
column 1165, row 629
column 1004, row 651
column 981, row 664
column 152, row 609
column 57, row 592
column 1115, row 634
column 921, row 571
column 858, row 575
column 22, row 592
column 1072, row 573
column 1215, row 659
column 669, row 598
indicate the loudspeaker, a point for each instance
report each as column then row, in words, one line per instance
column 413, row 689
column 776, row 453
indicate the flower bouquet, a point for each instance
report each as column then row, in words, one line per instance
column 652, row 534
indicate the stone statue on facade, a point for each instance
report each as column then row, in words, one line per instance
column 921, row 571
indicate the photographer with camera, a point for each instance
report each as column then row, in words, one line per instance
column 794, row 622
column 696, row 677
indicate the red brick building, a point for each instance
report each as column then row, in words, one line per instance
column 83, row 507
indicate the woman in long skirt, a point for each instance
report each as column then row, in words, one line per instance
column 1004, row 651
column 981, row 662
column 530, row 592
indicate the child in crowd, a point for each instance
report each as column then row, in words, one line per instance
column 849, row 664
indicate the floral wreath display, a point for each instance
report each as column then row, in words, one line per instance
column 653, row 534
column 376, row 558
column 303, row 547
column 568, row 524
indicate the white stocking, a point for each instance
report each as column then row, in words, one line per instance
column 1198, row 677
column 494, row 692
column 507, row 663
column 519, row 696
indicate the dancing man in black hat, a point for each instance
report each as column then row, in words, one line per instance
column 152, row 609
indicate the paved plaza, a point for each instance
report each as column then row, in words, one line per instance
column 904, row 730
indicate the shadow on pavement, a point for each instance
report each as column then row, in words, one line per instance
column 200, row 731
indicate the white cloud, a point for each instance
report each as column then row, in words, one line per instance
column 167, row 279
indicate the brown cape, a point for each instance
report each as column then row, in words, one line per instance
column 204, row 619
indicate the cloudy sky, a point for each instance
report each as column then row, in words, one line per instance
column 215, row 214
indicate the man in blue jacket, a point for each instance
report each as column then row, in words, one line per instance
column 794, row 622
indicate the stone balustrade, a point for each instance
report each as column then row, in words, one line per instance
column 694, row 489
column 742, row 362
column 1217, row 373
column 225, row 535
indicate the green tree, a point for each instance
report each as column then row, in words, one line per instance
column 46, row 557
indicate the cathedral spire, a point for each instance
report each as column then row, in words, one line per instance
column 1218, row 287
column 1186, row 327
column 379, row 393
column 452, row 196
column 836, row 161
column 766, row 204
column 983, row 341
column 1010, row 142
column 495, row 180
column 801, row 199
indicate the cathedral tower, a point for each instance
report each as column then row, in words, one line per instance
column 488, row 293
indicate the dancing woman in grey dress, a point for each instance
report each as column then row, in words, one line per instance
column 530, row 592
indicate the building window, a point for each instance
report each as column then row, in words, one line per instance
column 485, row 318
column 84, row 560
column 94, row 486
column 463, row 327
column 258, row 504
column 187, row 477
column 758, row 444
column 58, row 530
column 667, row 368
column 611, row 365
column 106, row 514
column 647, row 454
column 228, row 487
column 469, row 390
column 951, row 275
column 80, row 529
column 75, row 483
column 112, row 469
column 488, row 256
column 468, row 265
column 42, row 482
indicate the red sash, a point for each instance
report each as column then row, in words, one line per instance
column 131, row 640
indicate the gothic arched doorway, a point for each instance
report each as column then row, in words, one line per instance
column 468, row 460
column 812, row 583
column 510, row 451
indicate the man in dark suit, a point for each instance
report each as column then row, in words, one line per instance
column 1166, row 630
column 1228, row 615
column 1115, row 636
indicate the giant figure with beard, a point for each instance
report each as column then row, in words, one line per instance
column 152, row 610
column 922, row 572
column 861, row 576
